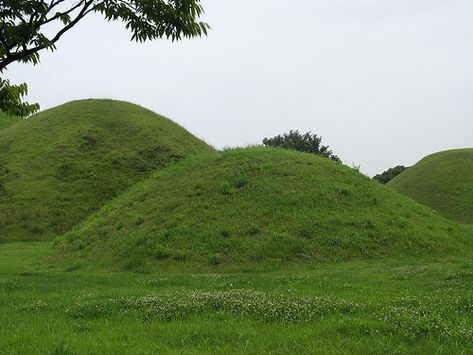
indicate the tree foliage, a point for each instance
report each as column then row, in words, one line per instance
column 11, row 99
column 30, row 26
column 307, row 142
column 389, row 174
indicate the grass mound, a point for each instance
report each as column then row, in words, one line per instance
column 258, row 206
column 443, row 182
column 62, row 164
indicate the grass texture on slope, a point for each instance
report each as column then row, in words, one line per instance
column 7, row 120
column 443, row 182
column 65, row 163
column 257, row 206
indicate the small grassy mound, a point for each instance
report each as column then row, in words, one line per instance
column 61, row 165
column 443, row 182
column 258, row 206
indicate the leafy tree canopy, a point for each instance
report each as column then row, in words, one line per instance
column 307, row 142
column 389, row 174
column 29, row 26
column 11, row 99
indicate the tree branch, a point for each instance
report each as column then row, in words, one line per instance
column 16, row 56
column 59, row 14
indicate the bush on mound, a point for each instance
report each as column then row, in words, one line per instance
column 443, row 182
column 260, row 206
column 387, row 175
column 61, row 165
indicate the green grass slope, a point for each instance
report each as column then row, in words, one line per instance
column 7, row 121
column 257, row 206
column 65, row 163
column 443, row 182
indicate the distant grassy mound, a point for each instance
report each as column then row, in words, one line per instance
column 62, row 164
column 442, row 181
column 258, row 205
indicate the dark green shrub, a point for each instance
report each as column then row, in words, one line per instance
column 307, row 142
column 389, row 174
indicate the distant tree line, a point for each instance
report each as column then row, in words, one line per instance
column 389, row 174
column 307, row 142
column 311, row 143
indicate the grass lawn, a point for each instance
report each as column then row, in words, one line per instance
column 391, row 306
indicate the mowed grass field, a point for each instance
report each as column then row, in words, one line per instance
column 416, row 306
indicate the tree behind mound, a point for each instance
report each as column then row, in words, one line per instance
column 307, row 142
column 391, row 173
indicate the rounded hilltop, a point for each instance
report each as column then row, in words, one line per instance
column 64, row 163
column 257, row 206
column 442, row 181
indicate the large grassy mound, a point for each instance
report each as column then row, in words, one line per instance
column 65, row 163
column 442, row 181
column 256, row 206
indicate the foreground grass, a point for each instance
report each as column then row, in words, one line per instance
column 398, row 306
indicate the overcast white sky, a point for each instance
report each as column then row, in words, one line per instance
column 385, row 82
